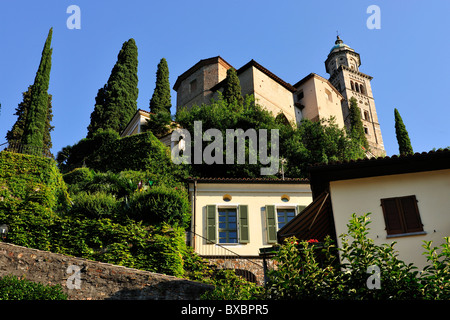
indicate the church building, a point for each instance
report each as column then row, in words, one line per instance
column 313, row 97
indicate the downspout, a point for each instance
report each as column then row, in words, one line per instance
column 194, row 211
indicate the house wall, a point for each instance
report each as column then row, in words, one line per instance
column 256, row 196
column 363, row 195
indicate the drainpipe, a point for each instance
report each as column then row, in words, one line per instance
column 194, row 202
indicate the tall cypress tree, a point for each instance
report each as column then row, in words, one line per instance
column 404, row 143
column 356, row 126
column 37, row 113
column 14, row 136
column 232, row 88
column 116, row 102
column 161, row 100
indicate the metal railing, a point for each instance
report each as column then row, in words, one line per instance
column 18, row 147
column 224, row 258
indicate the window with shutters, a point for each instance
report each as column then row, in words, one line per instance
column 284, row 216
column 278, row 217
column 401, row 215
column 227, row 225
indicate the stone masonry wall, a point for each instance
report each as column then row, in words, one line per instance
column 84, row 279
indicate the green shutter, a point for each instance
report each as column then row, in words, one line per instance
column 243, row 224
column 300, row 209
column 211, row 223
column 271, row 220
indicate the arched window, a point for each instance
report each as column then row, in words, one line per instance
column 366, row 115
column 361, row 88
column 353, row 85
column 357, row 87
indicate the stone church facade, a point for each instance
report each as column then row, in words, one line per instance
column 313, row 97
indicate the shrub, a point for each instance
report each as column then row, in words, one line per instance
column 13, row 288
column 95, row 205
column 160, row 204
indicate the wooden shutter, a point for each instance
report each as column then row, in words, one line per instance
column 411, row 214
column 211, row 223
column 243, row 224
column 392, row 216
column 401, row 215
column 271, row 221
column 300, row 209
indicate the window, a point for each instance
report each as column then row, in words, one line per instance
column 366, row 130
column 328, row 95
column 361, row 88
column 227, row 225
column 401, row 215
column 193, row 86
column 366, row 115
column 352, row 85
column 284, row 216
column 300, row 95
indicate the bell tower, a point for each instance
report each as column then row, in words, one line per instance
column 343, row 66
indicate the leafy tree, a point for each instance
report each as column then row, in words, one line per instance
column 404, row 144
column 160, row 124
column 356, row 126
column 116, row 102
column 161, row 100
column 232, row 88
column 37, row 113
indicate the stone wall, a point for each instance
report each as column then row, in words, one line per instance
column 83, row 279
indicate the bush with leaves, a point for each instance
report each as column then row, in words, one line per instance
column 13, row 288
column 302, row 274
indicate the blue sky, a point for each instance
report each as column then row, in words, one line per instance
column 407, row 57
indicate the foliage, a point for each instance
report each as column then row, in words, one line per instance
column 160, row 204
column 436, row 275
column 13, row 288
column 232, row 88
column 311, row 271
column 161, row 101
column 31, row 178
column 37, row 115
column 116, row 102
column 309, row 143
column 317, row 142
column 356, row 127
column 404, row 143
column 15, row 134
column 160, row 124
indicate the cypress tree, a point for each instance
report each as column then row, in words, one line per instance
column 356, row 126
column 404, row 143
column 232, row 88
column 14, row 136
column 37, row 113
column 116, row 102
column 161, row 100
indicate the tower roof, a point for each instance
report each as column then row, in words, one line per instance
column 339, row 44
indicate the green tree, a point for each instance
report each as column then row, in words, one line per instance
column 161, row 100
column 404, row 144
column 232, row 88
column 37, row 113
column 116, row 102
column 14, row 136
column 356, row 126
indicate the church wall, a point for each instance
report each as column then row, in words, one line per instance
column 272, row 95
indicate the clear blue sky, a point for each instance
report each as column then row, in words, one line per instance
column 407, row 57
